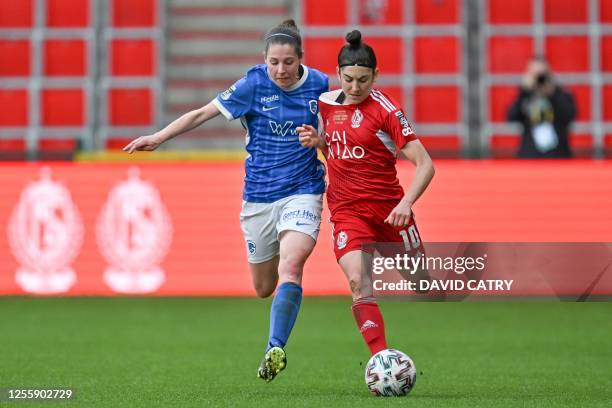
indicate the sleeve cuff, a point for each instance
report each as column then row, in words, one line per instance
column 223, row 109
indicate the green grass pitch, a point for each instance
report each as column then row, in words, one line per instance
column 194, row 352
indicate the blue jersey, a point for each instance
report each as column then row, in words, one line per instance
column 277, row 165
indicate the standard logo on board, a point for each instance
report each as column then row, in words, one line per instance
column 134, row 232
column 45, row 233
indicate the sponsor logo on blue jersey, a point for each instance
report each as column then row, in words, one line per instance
column 269, row 99
column 226, row 95
column 282, row 129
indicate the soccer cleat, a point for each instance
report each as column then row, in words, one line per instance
column 273, row 363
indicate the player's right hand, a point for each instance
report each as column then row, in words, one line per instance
column 148, row 143
column 308, row 136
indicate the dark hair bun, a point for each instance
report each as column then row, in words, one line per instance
column 289, row 23
column 354, row 38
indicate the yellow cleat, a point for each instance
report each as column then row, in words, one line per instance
column 273, row 363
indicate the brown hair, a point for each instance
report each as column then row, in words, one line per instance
column 286, row 32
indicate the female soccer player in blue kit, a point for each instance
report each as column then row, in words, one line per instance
column 284, row 182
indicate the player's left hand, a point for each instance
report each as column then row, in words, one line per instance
column 308, row 136
column 400, row 215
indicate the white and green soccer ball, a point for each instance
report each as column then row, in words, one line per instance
column 390, row 373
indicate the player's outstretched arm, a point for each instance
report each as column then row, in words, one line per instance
column 185, row 123
column 309, row 137
column 416, row 153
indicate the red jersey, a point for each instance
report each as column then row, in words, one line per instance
column 363, row 142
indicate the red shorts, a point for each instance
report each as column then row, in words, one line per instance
column 364, row 223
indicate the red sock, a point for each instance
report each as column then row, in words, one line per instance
column 370, row 323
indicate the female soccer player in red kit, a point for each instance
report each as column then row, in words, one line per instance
column 363, row 131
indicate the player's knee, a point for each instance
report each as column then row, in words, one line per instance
column 291, row 266
column 291, row 273
column 264, row 290
column 356, row 284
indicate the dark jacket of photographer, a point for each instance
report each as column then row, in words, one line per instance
column 546, row 117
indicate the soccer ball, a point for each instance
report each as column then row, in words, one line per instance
column 390, row 373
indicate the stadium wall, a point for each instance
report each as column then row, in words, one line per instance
column 173, row 229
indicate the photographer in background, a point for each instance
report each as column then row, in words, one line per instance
column 546, row 111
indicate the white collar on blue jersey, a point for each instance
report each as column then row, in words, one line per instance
column 294, row 86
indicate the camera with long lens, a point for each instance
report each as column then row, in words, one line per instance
column 542, row 79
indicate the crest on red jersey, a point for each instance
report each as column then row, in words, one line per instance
column 356, row 119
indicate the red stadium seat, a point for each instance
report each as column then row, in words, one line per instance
column 510, row 12
column 437, row 55
column 14, row 57
column 608, row 146
column 57, row 149
column 582, row 96
column 63, row 107
column 568, row 53
column 606, row 53
column 130, row 107
column 383, row 13
column 118, row 142
column 13, row 144
column 605, row 11
column 134, row 13
column 500, row 99
column 14, row 110
column 58, row 144
column 65, row 58
column 504, row 146
column 436, row 11
column 565, row 11
column 13, row 149
column 442, row 147
column 607, row 102
column 389, row 53
column 509, row 54
column 68, row 13
column 323, row 12
column 16, row 13
column 132, row 57
column 395, row 92
column 436, row 104
column 582, row 145
column 323, row 53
